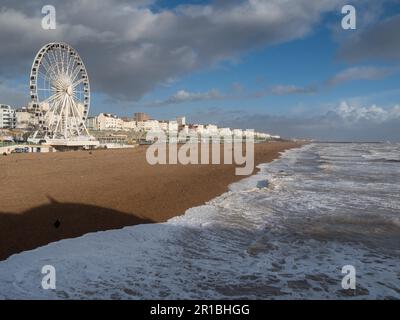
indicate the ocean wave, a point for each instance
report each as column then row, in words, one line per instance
column 285, row 232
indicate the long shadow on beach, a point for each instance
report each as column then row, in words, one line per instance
column 55, row 221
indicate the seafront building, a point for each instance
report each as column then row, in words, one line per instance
column 141, row 116
column 108, row 121
column 181, row 121
column 25, row 118
column 7, row 117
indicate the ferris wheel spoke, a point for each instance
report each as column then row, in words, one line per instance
column 52, row 111
column 46, row 78
column 69, row 59
column 62, row 60
column 50, row 63
column 46, row 81
column 59, row 62
column 81, row 122
column 55, row 61
column 52, row 58
column 53, row 104
column 53, row 65
column 74, row 106
column 78, row 98
column 49, row 99
column 77, row 82
column 40, row 89
column 60, row 114
column 53, row 73
column 76, row 115
column 50, row 74
column 75, row 73
column 55, row 79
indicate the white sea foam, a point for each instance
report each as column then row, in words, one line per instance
column 283, row 233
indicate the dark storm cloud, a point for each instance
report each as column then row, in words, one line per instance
column 379, row 41
column 129, row 49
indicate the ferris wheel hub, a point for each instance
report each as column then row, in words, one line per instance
column 69, row 90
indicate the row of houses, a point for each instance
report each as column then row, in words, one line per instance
column 142, row 122
column 24, row 118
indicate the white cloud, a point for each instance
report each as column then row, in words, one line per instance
column 290, row 89
column 360, row 73
column 353, row 114
column 183, row 96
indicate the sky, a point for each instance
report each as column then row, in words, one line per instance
column 285, row 67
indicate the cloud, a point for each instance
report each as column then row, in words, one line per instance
column 373, row 114
column 237, row 92
column 13, row 93
column 380, row 41
column 346, row 75
column 342, row 123
column 183, row 96
column 290, row 89
column 129, row 49
column 360, row 73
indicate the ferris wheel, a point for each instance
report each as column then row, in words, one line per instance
column 60, row 94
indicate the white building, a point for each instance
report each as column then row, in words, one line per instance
column 7, row 117
column 91, row 123
column 237, row 132
column 261, row 135
column 149, row 125
column 185, row 129
column 225, row 132
column 173, row 126
column 24, row 118
column 198, row 128
column 211, row 129
column 107, row 121
column 248, row 133
column 163, row 125
column 128, row 125
column 181, row 121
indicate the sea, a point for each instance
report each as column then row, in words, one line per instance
column 287, row 232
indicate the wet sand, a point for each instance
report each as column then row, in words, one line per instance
column 48, row 197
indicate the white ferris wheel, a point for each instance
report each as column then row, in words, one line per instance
column 60, row 94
